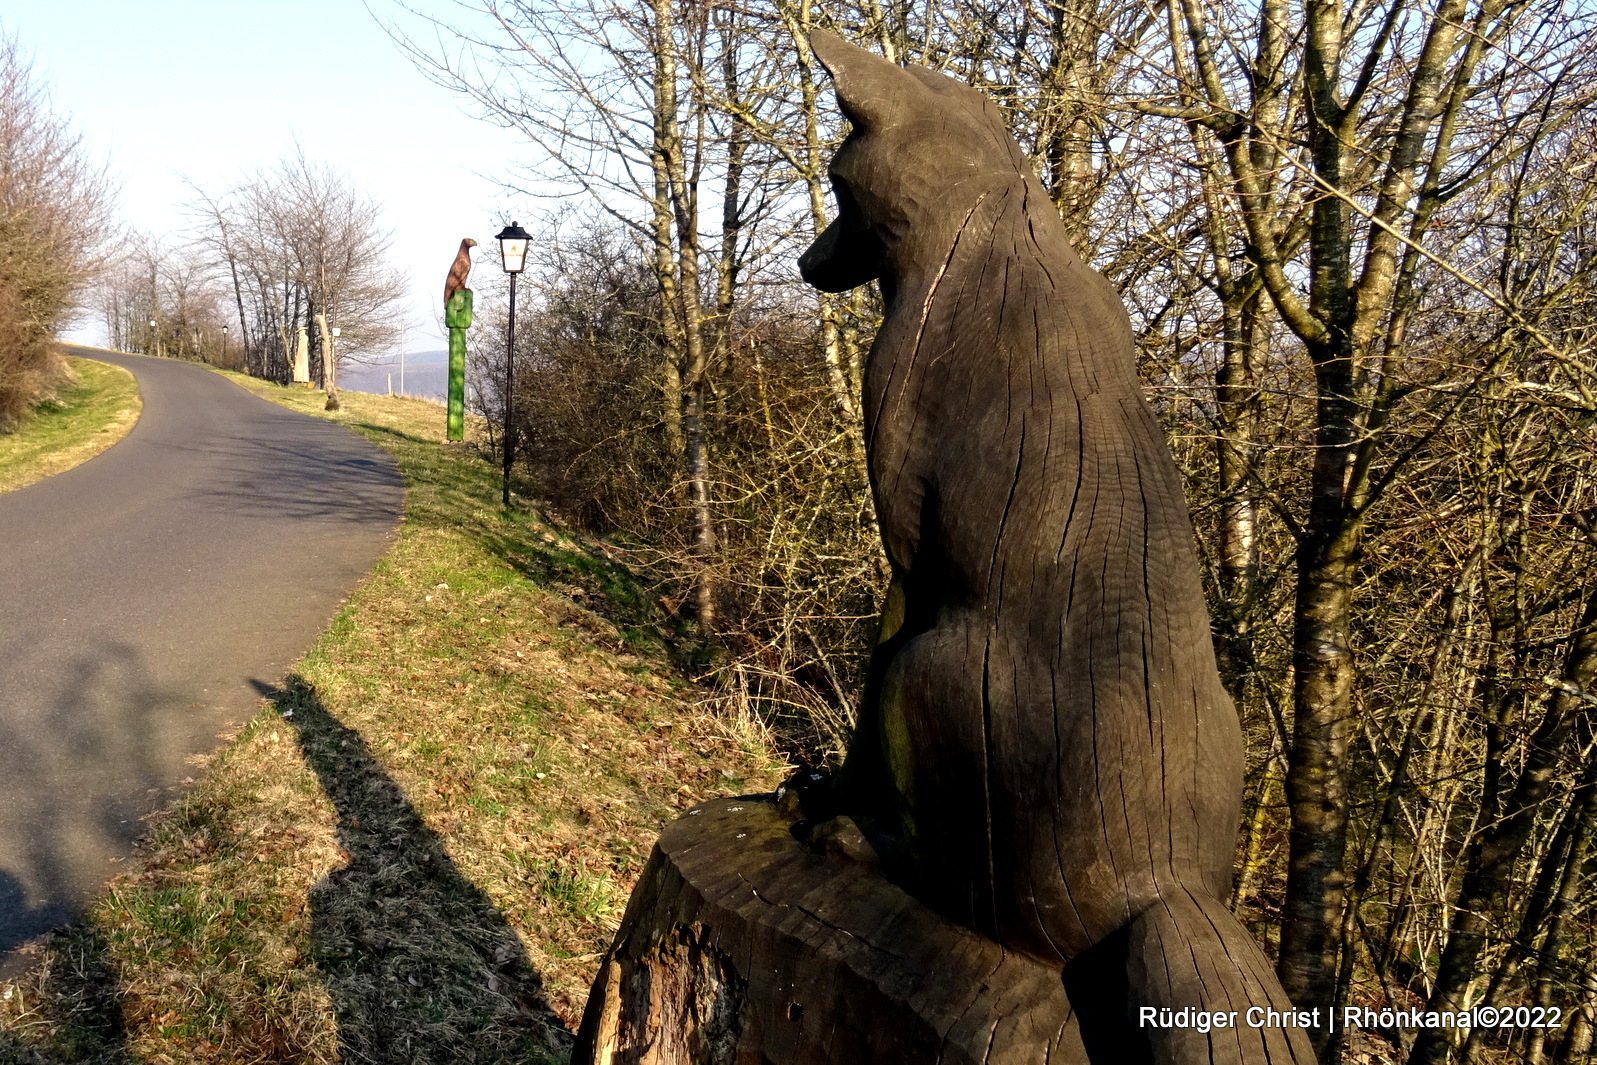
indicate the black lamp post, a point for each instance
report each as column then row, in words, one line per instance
column 513, row 252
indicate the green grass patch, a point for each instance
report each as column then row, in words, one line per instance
column 93, row 410
column 419, row 848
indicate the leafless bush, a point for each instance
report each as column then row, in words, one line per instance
column 28, row 359
column 796, row 563
column 53, row 203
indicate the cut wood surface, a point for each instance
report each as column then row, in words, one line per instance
column 744, row 946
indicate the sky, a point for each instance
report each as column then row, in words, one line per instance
column 167, row 90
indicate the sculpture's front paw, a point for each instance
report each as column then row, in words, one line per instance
column 842, row 836
column 808, row 795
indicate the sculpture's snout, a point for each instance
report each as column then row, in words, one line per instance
column 844, row 256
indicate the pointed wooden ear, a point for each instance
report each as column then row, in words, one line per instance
column 870, row 90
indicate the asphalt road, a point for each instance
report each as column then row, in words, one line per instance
column 141, row 594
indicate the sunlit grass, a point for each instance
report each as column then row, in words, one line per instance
column 420, row 847
column 93, row 411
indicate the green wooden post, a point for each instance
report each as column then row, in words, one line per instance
column 457, row 316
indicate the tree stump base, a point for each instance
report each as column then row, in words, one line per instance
column 744, row 946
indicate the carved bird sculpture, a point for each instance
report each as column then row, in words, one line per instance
column 458, row 270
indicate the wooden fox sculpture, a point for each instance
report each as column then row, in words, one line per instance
column 1045, row 752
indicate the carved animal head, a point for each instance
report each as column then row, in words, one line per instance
column 921, row 149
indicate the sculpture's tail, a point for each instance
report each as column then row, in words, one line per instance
column 1189, row 953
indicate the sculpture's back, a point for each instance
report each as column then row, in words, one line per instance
column 1045, row 750
column 1045, row 755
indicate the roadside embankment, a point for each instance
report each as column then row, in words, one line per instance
column 92, row 411
column 421, row 845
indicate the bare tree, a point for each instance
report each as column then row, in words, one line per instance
column 1347, row 164
column 54, row 208
column 615, row 106
column 173, row 288
column 1356, row 243
column 294, row 242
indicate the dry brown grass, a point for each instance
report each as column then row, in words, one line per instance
column 419, row 848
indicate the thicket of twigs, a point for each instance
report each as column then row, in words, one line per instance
column 52, row 202
column 1357, row 245
column 792, row 564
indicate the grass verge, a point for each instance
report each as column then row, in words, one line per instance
column 420, row 846
column 93, row 410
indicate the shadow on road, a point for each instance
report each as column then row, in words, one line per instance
column 319, row 473
column 419, row 964
column 87, row 760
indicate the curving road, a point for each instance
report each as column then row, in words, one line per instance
column 140, row 594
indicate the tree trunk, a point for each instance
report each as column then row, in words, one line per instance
column 844, row 388
column 1237, row 410
column 742, row 944
column 1067, row 142
column 329, row 361
column 675, row 231
column 1316, row 782
column 1490, row 862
